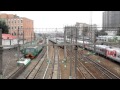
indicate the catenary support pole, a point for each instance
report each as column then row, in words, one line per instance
column 76, row 53
column 65, row 43
column 18, row 48
column 70, row 77
column 1, row 51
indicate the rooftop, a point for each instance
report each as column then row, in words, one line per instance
column 8, row 36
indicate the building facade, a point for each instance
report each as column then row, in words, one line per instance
column 83, row 29
column 111, row 21
column 21, row 25
column 71, row 30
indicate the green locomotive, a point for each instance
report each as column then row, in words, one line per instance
column 32, row 52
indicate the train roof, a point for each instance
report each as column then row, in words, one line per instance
column 114, row 48
column 32, row 47
column 82, row 41
column 102, row 46
column 108, row 36
column 108, row 47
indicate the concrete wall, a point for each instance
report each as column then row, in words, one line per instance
column 13, row 42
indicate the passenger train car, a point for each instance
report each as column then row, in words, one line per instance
column 108, row 51
column 104, row 50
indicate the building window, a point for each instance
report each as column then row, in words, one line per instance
column 14, row 33
column 21, row 21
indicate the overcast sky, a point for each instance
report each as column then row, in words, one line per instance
column 59, row 19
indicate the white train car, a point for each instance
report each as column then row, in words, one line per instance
column 113, row 53
column 86, row 44
column 101, row 49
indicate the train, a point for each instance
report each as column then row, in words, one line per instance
column 32, row 51
column 104, row 50
column 57, row 41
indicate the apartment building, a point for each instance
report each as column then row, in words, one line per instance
column 19, row 25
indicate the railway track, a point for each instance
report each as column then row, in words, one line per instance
column 59, row 69
column 49, row 70
column 83, row 72
column 55, row 65
column 35, row 70
column 44, row 69
column 16, row 72
column 20, row 69
column 31, row 70
column 102, row 69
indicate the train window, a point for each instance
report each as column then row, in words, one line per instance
column 119, row 56
column 115, row 55
column 29, row 49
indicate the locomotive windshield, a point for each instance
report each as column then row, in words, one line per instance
column 29, row 50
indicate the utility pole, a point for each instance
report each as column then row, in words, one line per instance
column 83, row 36
column 65, row 43
column 23, row 37
column 18, row 45
column 34, row 36
column 1, row 51
column 31, row 38
column 70, row 77
column 94, row 40
column 91, row 28
column 76, row 48
column 56, row 35
column 47, row 50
